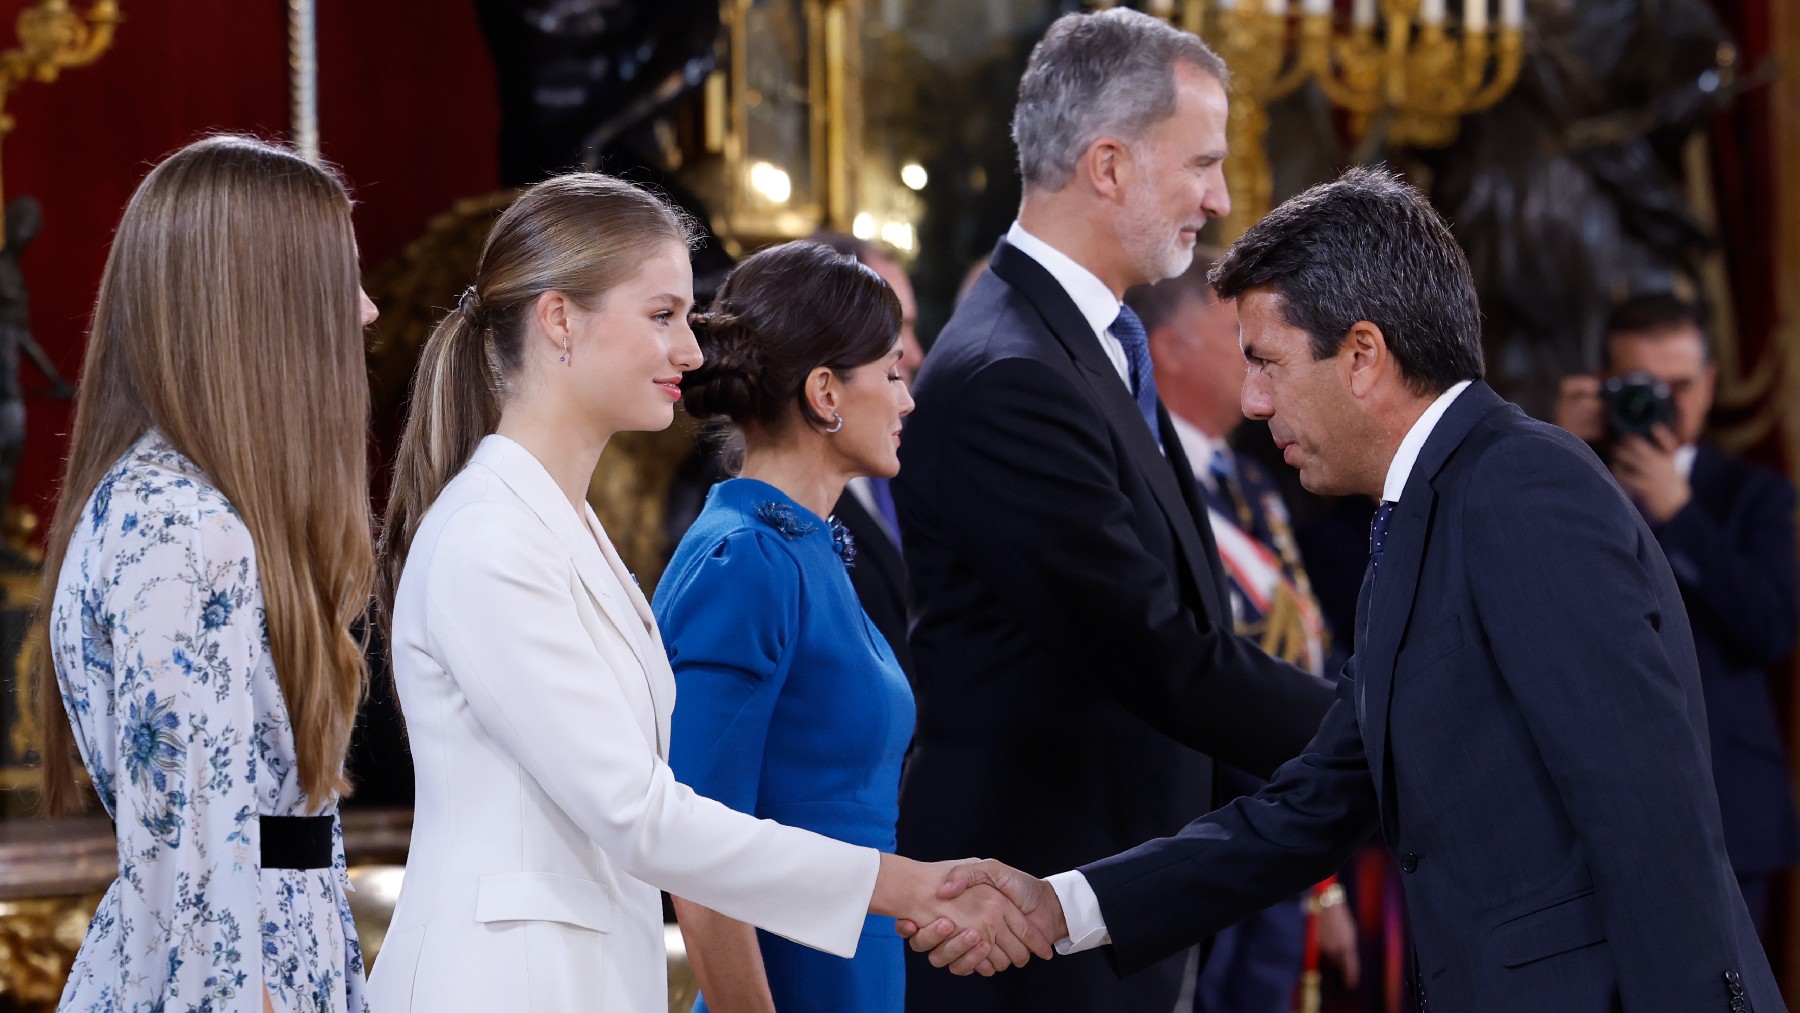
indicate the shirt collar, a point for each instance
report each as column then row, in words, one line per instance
column 1401, row 467
column 1096, row 302
column 1199, row 447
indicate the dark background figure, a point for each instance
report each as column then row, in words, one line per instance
column 24, row 220
column 1573, row 191
column 1727, row 527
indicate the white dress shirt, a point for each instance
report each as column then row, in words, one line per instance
column 1200, row 449
column 1400, row 468
column 1096, row 302
column 1081, row 908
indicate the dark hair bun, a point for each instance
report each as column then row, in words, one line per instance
column 728, row 383
column 782, row 313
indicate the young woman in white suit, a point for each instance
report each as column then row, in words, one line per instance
column 532, row 677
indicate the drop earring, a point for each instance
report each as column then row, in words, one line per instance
column 565, row 354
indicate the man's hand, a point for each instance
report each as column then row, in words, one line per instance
column 1579, row 410
column 1032, row 897
column 988, row 931
column 1646, row 470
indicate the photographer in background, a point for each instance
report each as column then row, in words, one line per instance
column 1727, row 527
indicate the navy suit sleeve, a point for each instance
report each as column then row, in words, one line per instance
column 1039, row 515
column 1739, row 580
column 1164, row 896
column 727, row 626
column 1565, row 590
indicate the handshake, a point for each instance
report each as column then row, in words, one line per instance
column 973, row 917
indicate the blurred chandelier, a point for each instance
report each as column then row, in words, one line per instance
column 1405, row 70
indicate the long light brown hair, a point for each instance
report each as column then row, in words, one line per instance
column 228, row 320
column 579, row 234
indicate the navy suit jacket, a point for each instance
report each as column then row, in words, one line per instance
column 1523, row 720
column 1732, row 550
column 879, row 575
column 1075, row 663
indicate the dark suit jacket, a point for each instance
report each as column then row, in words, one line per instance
column 1071, row 629
column 879, row 576
column 1523, row 719
column 1732, row 550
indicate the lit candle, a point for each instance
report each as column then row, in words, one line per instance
column 1313, row 8
column 1362, row 14
column 1431, row 12
column 1278, row 8
column 1512, row 13
column 1475, row 15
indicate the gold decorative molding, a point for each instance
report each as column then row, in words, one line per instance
column 53, row 37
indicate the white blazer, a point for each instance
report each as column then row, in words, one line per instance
column 537, row 699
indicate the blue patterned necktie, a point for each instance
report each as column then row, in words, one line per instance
column 884, row 505
column 1378, row 530
column 1129, row 331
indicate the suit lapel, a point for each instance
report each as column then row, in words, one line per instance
column 640, row 629
column 873, row 547
column 1116, row 404
column 608, row 583
column 1390, row 600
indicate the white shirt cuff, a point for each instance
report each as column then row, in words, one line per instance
column 1081, row 913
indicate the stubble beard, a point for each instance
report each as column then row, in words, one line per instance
column 1153, row 243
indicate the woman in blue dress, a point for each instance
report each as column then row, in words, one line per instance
column 790, row 705
column 209, row 552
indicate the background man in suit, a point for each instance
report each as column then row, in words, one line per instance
column 1523, row 717
column 866, row 508
column 1727, row 527
column 1255, row 965
column 1072, row 630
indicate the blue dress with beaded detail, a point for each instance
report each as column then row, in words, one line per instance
column 789, row 706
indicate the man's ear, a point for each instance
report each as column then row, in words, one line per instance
column 1107, row 165
column 1365, row 352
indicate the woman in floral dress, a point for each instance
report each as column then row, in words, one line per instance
column 209, row 552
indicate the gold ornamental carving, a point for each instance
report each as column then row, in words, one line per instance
column 54, row 37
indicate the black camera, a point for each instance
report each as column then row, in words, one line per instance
column 1636, row 403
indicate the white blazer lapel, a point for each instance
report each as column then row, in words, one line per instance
column 609, row 584
column 646, row 639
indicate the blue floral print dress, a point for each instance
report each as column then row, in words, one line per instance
column 162, row 656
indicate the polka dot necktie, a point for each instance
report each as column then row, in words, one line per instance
column 1378, row 530
column 1129, row 331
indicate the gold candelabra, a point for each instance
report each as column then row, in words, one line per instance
column 53, row 38
column 1403, row 67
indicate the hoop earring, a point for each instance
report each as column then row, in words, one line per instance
column 837, row 423
column 565, row 354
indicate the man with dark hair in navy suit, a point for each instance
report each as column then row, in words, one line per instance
column 1727, row 527
column 1523, row 718
column 1076, row 670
